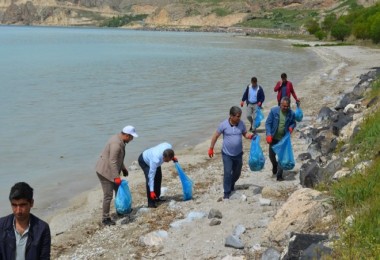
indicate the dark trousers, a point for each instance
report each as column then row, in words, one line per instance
column 232, row 169
column 272, row 156
column 108, row 188
column 157, row 179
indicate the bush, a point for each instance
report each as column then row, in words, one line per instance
column 375, row 29
column 361, row 30
column 329, row 21
column 340, row 31
column 320, row 35
column 312, row 26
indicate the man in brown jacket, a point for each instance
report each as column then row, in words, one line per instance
column 109, row 166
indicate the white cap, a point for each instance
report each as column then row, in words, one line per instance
column 130, row 130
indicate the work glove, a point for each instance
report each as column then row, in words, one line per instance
column 290, row 130
column 259, row 104
column 242, row 103
column 269, row 139
column 153, row 195
column 125, row 173
column 211, row 152
column 175, row 159
column 252, row 136
column 117, row 181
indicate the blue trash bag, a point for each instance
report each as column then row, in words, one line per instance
column 256, row 156
column 123, row 200
column 298, row 114
column 187, row 183
column 284, row 152
column 259, row 117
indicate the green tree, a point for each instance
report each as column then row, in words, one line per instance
column 329, row 21
column 320, row 35
column 361, row 30
column 340, row 30
column 375, row 29
column 312, row 26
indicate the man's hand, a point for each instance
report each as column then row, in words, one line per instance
column 259, row 104
column 251, row 136
column 290, row 130
column 117, row 181
column 242, row 103
column 175, row 159
column 269, row 139
column 153, row 195
column 211, row 152
column 298, row 102
column 125, row 172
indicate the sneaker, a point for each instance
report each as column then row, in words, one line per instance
column 160, row 199
column 226, row 196
column 274, row 171
column 108, row 222
column 280, row 178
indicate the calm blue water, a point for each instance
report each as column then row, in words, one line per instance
column 64, row 91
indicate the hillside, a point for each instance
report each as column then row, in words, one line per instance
column 155, row 13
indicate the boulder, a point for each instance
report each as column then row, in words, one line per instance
column 324, row 114
column 298, row 214
column 300, row 242
column 316, row 251
column 309, row 173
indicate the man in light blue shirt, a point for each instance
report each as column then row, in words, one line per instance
column 150, row 162
column 232, row 152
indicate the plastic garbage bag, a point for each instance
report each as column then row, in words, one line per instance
column 256, row 156
column 123, row 200
column 284, row 152
column 187, row 183
column 259, row 117
column 298, row 114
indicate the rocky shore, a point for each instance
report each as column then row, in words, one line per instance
column 263, row 214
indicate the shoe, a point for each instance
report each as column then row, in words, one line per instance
column 226, row 196
column 280, row 179
column 274, row 171
column 108, row 222
column 152, row 205
column 160, row 200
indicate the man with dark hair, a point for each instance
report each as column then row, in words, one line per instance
column 279, row 121
column 254, row 97
column 285, row 88
column 232, row 152
column 23, row 235
column 150, row 162
column 109, row 166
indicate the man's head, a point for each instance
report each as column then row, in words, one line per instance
column 21, row 198
column 285, row 104
column 168, row 155
column 128, row 133
column 254, row 81
column 284, row 76
column 235, row 114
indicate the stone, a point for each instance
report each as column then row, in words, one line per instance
column 155, row 238
column 271, row 254
column 215, row 222
column 316, row 251
column 309, row 173
column 232, row 241
column 265, row 202
column 269, row 192
column 239, row 229
column 214, row 213
column 300, row 242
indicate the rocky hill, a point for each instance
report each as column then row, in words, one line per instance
column 175, row 13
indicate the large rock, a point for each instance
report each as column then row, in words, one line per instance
column 324, row 114
column 298, row 214
column 21, row 14
column 339, row 120
column 309, row 174
column 300, row 242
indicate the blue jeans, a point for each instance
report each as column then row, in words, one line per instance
column 232, row 170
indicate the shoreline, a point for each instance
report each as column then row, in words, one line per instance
column 341, row 67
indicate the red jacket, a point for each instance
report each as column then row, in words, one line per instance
column 289, row 90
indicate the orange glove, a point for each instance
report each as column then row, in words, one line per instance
column 269, row 139
column 153, row 195
column 290, row 130
column 252, row 136
column 211, row 152
column 259, row 104
column 242, row 103
column 117, row 181
column 175, row 159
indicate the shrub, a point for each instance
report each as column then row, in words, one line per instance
column 312, row 26
column 340, row 31
column 329, row 21
column 320, row 34
column 375, row 29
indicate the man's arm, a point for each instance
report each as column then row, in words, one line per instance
column 45, row 243
column 114, row 160
column 277, row 87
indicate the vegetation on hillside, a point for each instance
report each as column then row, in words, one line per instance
column 360, row 23
column 119, row 21
column 357, row 197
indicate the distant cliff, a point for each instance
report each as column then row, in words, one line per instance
column 176, row 13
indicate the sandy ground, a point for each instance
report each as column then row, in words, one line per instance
column 78, row 234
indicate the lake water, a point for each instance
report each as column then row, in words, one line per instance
column 65, row 91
